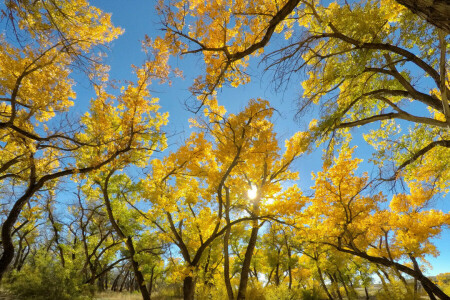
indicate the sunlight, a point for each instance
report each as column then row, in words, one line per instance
column 253, row 192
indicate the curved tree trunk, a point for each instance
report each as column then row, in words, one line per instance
column 436, row 12
column 430, row 287
column 129, row 242
column 247, row 260
column 322, row 281
column 7, row 242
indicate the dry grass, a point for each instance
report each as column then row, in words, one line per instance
column 130, row 296
column 118, row 296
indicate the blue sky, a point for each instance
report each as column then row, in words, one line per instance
column 138, row 18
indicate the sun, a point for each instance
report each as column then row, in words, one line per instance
column 253, row 192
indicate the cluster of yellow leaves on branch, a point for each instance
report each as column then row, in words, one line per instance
column 40, row 141
column 130, row 121
column 222, row 30
column 347, row 216
column 81, row 25
column 365, row 61
column 195, row 189
column 36, row 87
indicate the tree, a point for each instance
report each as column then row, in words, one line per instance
column 277, row 249
column 90, row 243
column 366, row 62
column 40, row 144
column 119, row 196
column 200, row 191
column 358, row 225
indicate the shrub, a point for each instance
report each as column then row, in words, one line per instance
column 45, row 278
column 311, row 294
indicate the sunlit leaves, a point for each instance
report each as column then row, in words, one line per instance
column 358, row 220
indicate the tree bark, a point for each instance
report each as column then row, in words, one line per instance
column 247, row 260
column 367, row 293
column 435, row 12
column 383, row 283
column 56, row 233
column 322, row 281
column 226, row 255
column 289, row 254
column 427, row 284
column 124, row 280
column 335, row 284
column 277, row 274
column 8, row 246
column 188, row 288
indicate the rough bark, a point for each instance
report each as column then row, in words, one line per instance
column 428, row 285
column 8, row 246
column 322, row 282
column 226, row 265
column 188, row 288
column 436, row 12
column 247, row 261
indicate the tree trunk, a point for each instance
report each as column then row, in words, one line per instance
column 226, row 255
column 7, row 243
column 137, row 272
column 19, row 252
column 436, row 12
column 367, row 293
column 56, row 233
column 115, row 282
column 322, row 282
column 383, row 282
column 150, row 284
column 124, row 280
column 277, row 274
column 189, row 288
column 335, row 284
column 247, row 260
column 347, row 293
column 431, row 288
column 129, row 242
column 417, row 269
column 289, row 263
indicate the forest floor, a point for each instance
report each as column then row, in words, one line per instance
column 117, row 296
column 127, row 296
column 136, row 296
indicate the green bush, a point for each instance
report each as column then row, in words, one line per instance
column 45, row 278
column 311, row 294
column 281, row 292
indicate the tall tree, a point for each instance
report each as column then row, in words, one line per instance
column 193, row 189
column 358, row 225
column 40, row 142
